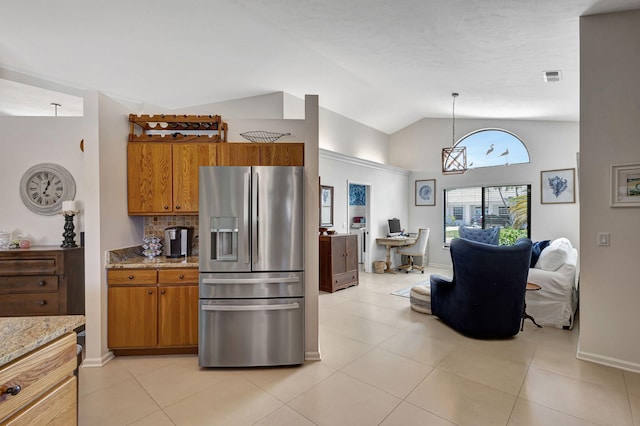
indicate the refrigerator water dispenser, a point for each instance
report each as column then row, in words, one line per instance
column 224, row 238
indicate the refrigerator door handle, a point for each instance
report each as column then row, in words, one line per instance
column 256, row 249
column 280, row 307
column 250, row 280
column 245, row 216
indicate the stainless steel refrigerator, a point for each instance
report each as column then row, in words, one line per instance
column 251, row 286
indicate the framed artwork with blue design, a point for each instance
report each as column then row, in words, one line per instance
column 558, row 186
column 426, row 192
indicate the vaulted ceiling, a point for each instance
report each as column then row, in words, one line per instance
column 384, row 63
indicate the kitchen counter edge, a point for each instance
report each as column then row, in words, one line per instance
column 21, row 335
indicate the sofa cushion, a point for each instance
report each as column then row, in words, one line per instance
column 555, row 255
column 536, row 249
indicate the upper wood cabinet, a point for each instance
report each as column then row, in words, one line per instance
column 261, row 154
column 162, row 178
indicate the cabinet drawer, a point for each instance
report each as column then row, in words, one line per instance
column 132, row 276
column 21, row 304
column 28, row 283
column 57, row 407
column 36, row 372
column 46, row 266
column 345, row 278
column 177, row 276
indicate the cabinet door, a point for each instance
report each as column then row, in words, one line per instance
column 187, row 158
column 178, row 315
column 338, row 254
column 239, row 154
column 132, row 317
column 351, row 249
column 149, row 178
column 282, row 154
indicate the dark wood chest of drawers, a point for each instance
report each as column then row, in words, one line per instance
column 338, row 261
column 43, row 280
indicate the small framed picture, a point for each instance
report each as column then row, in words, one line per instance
column 558, row 186
column 426, row 192
column 625, row 185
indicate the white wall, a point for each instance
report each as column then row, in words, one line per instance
column 27, row 141
column 551, row 145
column 610, row 129
column 108, row 224
column 387, row 197
column 345, row 136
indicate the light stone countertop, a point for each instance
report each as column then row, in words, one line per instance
column 21, row 335
column 141, row 262
column 131, row 258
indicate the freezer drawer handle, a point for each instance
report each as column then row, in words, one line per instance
column 250, row 280
column 282, row 307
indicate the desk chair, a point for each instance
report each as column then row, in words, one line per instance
column 418, row 248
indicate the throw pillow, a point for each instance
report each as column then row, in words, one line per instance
column 555, row 255
column 536, row 249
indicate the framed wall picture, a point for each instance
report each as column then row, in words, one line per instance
column 625, row 185
column 558, row 186
column 426, row 192
column 326, row 205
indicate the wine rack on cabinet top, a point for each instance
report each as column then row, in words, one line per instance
column 177, row 128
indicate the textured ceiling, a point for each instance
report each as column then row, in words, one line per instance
column 383, row 63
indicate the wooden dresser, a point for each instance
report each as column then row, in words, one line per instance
column 42, row 280
column 338, row 261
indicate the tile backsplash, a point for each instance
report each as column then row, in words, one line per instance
column 154, row 226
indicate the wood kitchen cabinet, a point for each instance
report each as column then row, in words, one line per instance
column 162, row 178
column 48, row 388
column 261, row 154
column 153, row 311
column 338, row 261
column 41, row 280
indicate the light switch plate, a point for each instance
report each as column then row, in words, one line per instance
column 603, row 238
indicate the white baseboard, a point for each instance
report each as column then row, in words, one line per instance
column 608, row 361
column 98, row 362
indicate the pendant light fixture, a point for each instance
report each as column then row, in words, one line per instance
column 454, row 159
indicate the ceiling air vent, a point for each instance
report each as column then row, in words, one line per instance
column 551, row 76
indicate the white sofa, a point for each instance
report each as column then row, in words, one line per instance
column 557, row 272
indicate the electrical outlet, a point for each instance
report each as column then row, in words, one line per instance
column 344, row 225
column 603, row 238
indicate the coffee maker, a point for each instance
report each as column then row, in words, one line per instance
column 177, row 241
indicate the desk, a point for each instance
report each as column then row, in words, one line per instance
column 394, row 242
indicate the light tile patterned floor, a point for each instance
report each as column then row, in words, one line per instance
column 383, row 364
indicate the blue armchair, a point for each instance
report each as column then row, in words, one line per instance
column 485, row 297
column 488, row 236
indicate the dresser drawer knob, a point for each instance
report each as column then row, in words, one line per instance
column 14, row 390
column 177, row 207
column 42, row 283
column 166, row 207
column 130, row 277
column 43, row 302
column 163, row 291
column 181, row 277
column 150, row 292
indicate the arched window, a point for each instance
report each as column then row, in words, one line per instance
column 493, row 147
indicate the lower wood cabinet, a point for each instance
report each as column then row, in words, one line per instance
column 338, row 261
column 153, row 311
column 46, row 387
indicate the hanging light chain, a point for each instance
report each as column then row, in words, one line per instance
column 453, row 125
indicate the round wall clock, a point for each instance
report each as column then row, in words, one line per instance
column 45, row 186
